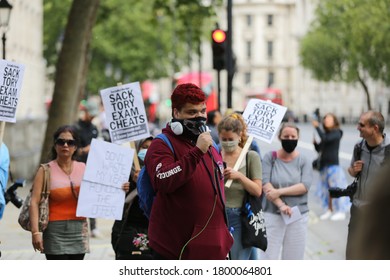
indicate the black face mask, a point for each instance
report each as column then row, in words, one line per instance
column 289, row 145
column 193, row 127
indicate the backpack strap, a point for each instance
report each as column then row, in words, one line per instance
column 165, row 138
column 357, row 153
column 386, row 158
column 274, row 157
column 357, row 150
column 215, row 145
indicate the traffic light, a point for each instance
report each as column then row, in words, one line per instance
column 218, row 37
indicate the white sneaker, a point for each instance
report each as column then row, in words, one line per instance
column 326, row 215
column 95, row 233
column 339, row 216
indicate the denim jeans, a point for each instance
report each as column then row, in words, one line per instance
column 237, row 252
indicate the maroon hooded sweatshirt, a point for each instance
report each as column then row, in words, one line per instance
column 188, row 214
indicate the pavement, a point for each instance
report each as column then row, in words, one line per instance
column 326, row 239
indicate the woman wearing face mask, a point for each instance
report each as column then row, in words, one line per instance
column 287, row 176
column 231, row 130
column 125, row 232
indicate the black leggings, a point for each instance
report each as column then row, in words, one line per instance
column 65, row 257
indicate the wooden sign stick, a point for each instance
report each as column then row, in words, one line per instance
column 2, row 128
column 135, row 161
column 240, row 159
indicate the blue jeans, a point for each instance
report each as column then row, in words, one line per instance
column 237, row 252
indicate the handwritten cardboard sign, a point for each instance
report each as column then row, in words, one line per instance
column 100, row 201
column 108, row 164
column 11, row 77
column 101, row 194
column 125, row 113
column 263, row 119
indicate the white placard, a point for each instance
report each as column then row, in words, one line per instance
column 295, row 215
column 100, row 201
column 108, row 164
column 11, row 77
column 125, row 113
column 263, row 119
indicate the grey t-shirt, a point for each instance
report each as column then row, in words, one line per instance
column 285, row 174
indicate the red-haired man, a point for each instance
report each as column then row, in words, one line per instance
column 188, row 215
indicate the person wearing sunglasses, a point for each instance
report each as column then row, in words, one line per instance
column 366, row 165
column 66, row 236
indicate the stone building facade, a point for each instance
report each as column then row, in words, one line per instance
column 24, row 45
column 266, row 37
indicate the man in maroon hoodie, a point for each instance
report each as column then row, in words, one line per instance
column 188, row 215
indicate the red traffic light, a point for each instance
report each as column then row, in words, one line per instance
column 218, row 35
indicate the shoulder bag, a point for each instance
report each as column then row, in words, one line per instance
column 43, row 216
column 252, row 220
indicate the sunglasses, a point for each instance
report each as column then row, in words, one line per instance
column 62, row 142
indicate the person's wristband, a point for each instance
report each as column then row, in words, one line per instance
column 35, row 233
column 282, row 205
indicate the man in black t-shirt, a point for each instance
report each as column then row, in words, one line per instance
column 87, row 131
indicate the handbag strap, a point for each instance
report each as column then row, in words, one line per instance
column 46, row 180
column 247, row 194
column 273, row 159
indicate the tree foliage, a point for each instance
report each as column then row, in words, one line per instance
column 131, row 41
column 349, row 41
column 134, row 40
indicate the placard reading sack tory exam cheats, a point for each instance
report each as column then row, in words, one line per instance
column 125, row 113
column 263, row 119
column 108, row 167
column 11, row 77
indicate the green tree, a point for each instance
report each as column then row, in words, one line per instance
column 349, row 41
column 129, row 41
column 134, row 40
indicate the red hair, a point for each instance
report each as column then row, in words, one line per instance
column 186, row 93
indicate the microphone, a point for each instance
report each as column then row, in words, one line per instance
column 203, row 128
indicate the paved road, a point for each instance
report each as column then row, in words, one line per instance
column 326, row 239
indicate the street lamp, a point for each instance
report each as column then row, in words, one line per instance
column 5, row 12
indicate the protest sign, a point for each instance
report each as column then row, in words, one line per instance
column 100, row 201
column 108, row 164
column 108, row 168
column 11, row 77
column 263, row 119
column 125, row 113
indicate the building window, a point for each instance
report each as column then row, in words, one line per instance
column 248, row 78
column 270, row 20
column 271, row 78
column 249, row 20
column 248, row 49
column 270, row 49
